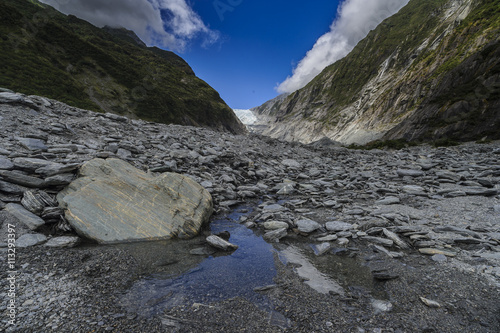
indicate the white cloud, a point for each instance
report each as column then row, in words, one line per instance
column 144, row 17
column 355, row 18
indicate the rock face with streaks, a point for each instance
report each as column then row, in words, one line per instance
column 114, row 202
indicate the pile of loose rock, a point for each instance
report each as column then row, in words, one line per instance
column 442, row 202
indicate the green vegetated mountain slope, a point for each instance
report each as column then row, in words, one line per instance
column 431, row 71
column 44, row 52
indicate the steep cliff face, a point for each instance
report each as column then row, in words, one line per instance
column 43, row 52
column 430, row 71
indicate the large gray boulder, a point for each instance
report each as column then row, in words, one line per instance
column 114, row 202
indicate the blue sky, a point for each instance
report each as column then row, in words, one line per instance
column 248, row 50
column 260, row 41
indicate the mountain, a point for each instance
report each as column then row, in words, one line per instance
column 44, row 52
column 431, row 71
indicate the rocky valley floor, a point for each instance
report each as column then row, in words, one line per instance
column 360, row 241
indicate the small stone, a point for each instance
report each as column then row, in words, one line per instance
column 381, row 306
column 63, row 241
column 328, row 238
column 33, row 144
column 291, row 163
column 343, row 241
column 11, row 188
column 384, row 275
column 409, row 173
column 21, row 179
column 32, row 203
column 28, row 240
column 337, row 226
column 430, row 303
column 388, row 201
column 275, row 235
column 274, row 225
column 414, row 190
column 448, row 175
column 220, row 243
column 32, row 221
column 430, row 251
column 59, row 180
column 307, row 226
column 439, row 258
column 5, row 163
column 380, row 241
column 322, row 248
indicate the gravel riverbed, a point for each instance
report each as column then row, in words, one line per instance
column 422, row 224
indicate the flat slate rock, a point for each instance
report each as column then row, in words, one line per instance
column 20, row 179
column 32, row 221
column 33, row 144
column 5, row 163
column 114, row 202
column 63, row 241
column 28, row 240
column 307, row 226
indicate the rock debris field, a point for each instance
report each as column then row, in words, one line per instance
column 424, row 222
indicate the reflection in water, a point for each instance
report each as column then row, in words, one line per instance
column 175, row 277
column 214, row 279
column 313, row 277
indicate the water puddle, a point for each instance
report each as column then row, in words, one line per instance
column 172, row 276
column 204, row 280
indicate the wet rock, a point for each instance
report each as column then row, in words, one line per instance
column 63, row 241
column 225, row 235
column 220, row 243
column 307, row 226
column 274, row 225
column 273, row 208
column 275, row 235
column 28, row 240
column 29, row 219
column 115, row 202
column 202, row 251
column 322, row 248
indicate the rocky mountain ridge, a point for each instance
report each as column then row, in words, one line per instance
column 44, row 52
column 430, row 71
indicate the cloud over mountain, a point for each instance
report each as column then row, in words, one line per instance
column 166, row 23
column 355, row 18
